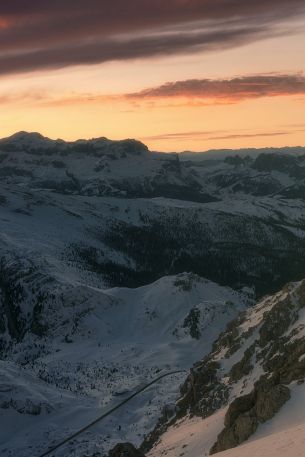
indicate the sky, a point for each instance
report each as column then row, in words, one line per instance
column 175, row 74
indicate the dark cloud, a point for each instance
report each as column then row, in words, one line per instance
column 153, row 12
column 39, row 34
column 126, row 49
column 227, row 90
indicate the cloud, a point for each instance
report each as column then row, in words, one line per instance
column 237, row 136
column 187, row 93
column 226, row 90
column 37, row 34
column 181, row 135
column 213, row 135
column 125, row 49
column 26, row 98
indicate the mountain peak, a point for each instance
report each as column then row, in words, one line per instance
column 23, row 135
column 28, row 140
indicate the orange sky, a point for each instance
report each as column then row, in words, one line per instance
column 248, row 94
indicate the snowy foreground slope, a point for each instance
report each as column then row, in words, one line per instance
column 249, row 389
column 289, row 442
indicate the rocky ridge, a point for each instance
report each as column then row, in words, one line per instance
column 249, row 373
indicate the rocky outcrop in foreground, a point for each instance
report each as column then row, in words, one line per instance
column 249, row 371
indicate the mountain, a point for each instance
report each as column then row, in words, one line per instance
column 83, row 349
column 96, row 167
column 220, row 154
column 94, row 207
column 250, row 387
column 118, row 264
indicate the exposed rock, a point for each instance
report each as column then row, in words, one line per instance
column 277, row 321
column 243, row 367
column 192, row 323
column 230, row 339
column 240, row 431
column 202, row 393
column 238, row 407
column 247, row 412
column 125, row 450
column 269, row 400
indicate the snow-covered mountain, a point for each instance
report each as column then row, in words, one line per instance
column 118, row 213
column 118, row 264
column 128, row 169
column 249, row 388
column 83, row 348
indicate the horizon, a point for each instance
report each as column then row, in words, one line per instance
column 207, row 151
column 185, row 75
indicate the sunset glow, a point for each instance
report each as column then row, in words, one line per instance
column 177, row 75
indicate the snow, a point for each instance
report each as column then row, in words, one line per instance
column 283, row 436
column 189, row 438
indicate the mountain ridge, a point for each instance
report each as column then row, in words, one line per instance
column 31, row 137
column 254, row 369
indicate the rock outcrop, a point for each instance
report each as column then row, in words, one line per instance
column 125, row 450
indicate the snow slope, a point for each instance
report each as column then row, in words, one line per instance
column 194, row 439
